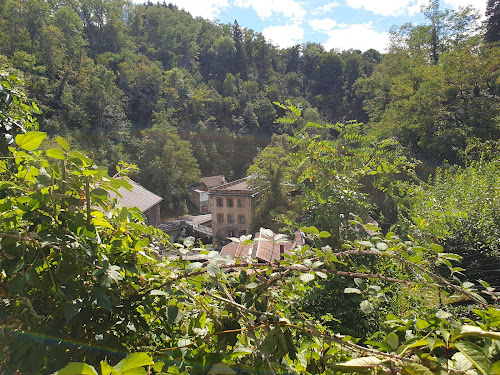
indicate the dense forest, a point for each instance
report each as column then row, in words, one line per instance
column 126, row 82
column 388, row 162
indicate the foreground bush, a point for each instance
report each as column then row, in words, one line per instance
column 83, row 284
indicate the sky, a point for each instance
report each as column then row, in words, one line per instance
column 337, row 24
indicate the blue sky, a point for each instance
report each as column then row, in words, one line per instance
column 340, row 24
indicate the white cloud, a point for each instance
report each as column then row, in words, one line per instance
column 324, row 24
column 207, row 8
column 416, row 7
column 284, row 36
column 357, row 36
column 384, row 8
column 455, row 4
column 325, row 8
column 266, row 8
column 409, row 7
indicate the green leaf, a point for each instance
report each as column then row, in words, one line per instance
column 70, row 309
column 100, row 193
column 352, row 290
column 443, row 314
column 102, row 298
column 55, row 153
column 393, row 340
column 133, row 361
column 192, row 267
column 467, row 330
column 157, row 292
column 239, row 352
column 437, row 248
column 213, row 269
column 361, row 284
column 495, row 368
column 221, row 369
column 324, row 234
column 422, row 324
column 184, row 344
column 106, row 369
column 321, row 274
column 62, row 142
column 460, row 362
column 173, row 314
column 358, row 365
column 417, row 369
column 365, row 243
column 270, row 342
column 307, row 277
column 252, row 285
column 30, row 140
column 475, row 355
column 77, row 368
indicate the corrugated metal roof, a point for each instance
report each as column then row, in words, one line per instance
column 264, row 249
column 139, row 197
column 240, row 186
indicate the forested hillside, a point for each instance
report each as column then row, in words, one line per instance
column 106, row 73
column 125, row 81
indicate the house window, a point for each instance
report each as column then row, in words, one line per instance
column 230, row 233
column 243, row 232
column 241, row 203
column 230, row 202
column 219, row 202
column 220, row 218
column 241, row 219
column 230, row 218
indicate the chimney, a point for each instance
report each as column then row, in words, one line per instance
column 282, row 250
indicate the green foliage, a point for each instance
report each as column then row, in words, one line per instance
column 459, row 209
column 72, row 264
column 132, row 364
column 15, row 112
column 328, row 172
column 167, row 165
column 437, row 87
column 93, row 278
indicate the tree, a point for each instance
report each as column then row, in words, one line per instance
column 37, row 14
column 492, row 33
column 167, row 165
column 53, row 50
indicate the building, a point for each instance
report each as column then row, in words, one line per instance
column 147, row 202
column 199, row 194
column 268, row 247
column 232, row 206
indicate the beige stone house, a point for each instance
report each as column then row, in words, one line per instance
column 232, row 206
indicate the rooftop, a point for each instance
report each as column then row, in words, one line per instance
column 240, row 186
column 266, row 248
column 213, row 181
column 139, row 197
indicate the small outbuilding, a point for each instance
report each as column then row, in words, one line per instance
column 199, row 193
column 146, row 201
